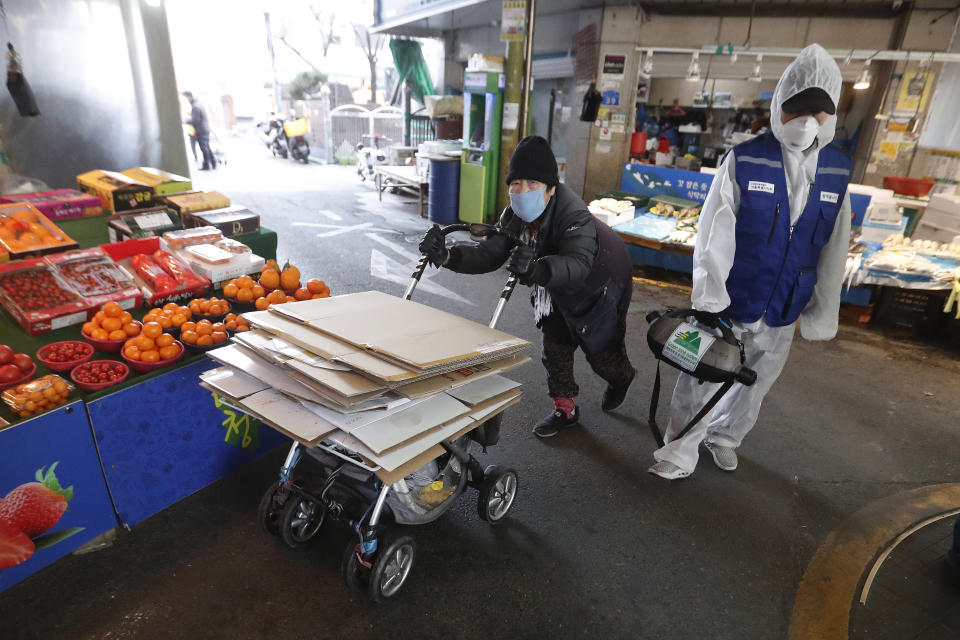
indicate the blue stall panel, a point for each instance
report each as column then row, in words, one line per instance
column 649, row 180
column 59, row 440
column 166, row 438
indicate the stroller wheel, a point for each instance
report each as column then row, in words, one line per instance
column 496, row 494
column 300, row 521
column 354, row 573
column 271, row 508
column 391, row 569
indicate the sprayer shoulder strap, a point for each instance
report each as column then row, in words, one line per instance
column 707, row 408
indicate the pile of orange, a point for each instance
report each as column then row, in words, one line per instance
column 152, row 345
column 204, row 333
column 283, row 285
column 235, row 322
column 209, row 306
column 171, row 315
column 111, row 322
column 243, row 289
column 22, row 230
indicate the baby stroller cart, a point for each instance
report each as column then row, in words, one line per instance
column 713, row 355
column 419, row 491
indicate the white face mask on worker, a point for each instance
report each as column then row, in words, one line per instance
column 800, row 133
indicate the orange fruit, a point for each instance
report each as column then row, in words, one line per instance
column 204, row 341
column 229, row 317
column 316, row 286
column 132, row 352
column 261, row 304
column 219, row 326
column 317, row 296
column 98, row 317
column 178, row 319
column 291, row 299
column 270, row 280
column 89, row 327
column 290, row 278
column 188, row 326
column 230, row 290
column 243, row 327
column 276, row 297
column 302, row 294
column 112, row 310
column 205, row 307
column 164, row 340
column 152, row 329
column 258, row 291
column 125, row 317
column 231, row 324
column 170, row 351
column 111, row 324
column 190, row 337
column 170, row 306
column 185, row 311
column 99, row 334
column 151, row 355
column 119, row 334
column 245, row 295
column 218, row 337
column 194, row 306
column 164, row 321
column 145, row 343
column 167, row 313
column 244, row 282
column 204, row 329
column 132, row 328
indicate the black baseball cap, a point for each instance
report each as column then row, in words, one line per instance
column 813, row 99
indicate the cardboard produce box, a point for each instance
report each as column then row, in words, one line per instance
column 59, row 204
column 185, row 203
column 124, row 253
column 93, row 275
column 145, row 223
column 25, row 232
column 116, row 191
column 163, row 182
column 38, row 299
column 232, row 221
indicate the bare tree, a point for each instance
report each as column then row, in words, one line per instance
column 371, row 45
column 325, row 23
column 283, row 39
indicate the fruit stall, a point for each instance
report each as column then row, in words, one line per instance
column 109, row 307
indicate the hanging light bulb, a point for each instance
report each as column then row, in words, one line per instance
column 693, row 71
column 757, row 70
column 863, row 82
column 648, row 62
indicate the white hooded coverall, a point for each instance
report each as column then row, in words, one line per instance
column 766, row 347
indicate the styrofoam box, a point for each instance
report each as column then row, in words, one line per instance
column 943, row 211
column 926, row 230
column 243, row 264
column 877, row 232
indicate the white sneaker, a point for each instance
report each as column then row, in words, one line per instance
column 724, row 457
column 668, row 471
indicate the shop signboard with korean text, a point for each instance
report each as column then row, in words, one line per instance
column 650, row 180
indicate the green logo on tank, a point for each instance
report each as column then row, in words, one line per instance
column 689, row 340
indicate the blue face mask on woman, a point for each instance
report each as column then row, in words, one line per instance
column 528, row 205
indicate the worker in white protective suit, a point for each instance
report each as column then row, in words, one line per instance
column 771, row 248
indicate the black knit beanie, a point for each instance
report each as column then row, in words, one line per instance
column 533, row 159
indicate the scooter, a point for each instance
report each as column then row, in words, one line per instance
column 369, row 157
column 281, row 145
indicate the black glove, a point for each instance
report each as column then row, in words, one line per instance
column 433, row 246
column 527, row 267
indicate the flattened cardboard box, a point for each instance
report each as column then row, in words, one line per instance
column 116, row 191
column 417, row 336
column 232, row 221
column 185, row 203
column 163, row 182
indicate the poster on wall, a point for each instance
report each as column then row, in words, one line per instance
column 722, row 100
column 701, row 98
column 914, row 91
column 511, row 24
column 613, row 66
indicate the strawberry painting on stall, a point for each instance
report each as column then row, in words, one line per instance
column 29, row 514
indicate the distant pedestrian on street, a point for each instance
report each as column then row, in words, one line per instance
column 201, row 127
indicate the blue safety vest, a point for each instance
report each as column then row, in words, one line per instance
column 775, row 266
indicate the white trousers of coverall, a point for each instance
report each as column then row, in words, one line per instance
column 766, row 350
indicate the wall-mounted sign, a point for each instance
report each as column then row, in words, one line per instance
column 512, row 20
column 614, row 65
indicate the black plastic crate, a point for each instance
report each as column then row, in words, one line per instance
column 916, row 310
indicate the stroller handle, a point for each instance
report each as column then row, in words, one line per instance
column 479, row 231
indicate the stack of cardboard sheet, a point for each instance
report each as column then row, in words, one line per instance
column 368, row 376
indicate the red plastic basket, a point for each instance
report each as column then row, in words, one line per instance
column 908, row 186
column 44, row 351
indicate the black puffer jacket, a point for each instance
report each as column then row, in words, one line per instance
column 590, row 267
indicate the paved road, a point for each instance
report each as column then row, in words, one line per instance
column 596, row 547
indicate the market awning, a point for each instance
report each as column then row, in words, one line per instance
column 408, row 58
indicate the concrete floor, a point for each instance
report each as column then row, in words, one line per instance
column 595, row 546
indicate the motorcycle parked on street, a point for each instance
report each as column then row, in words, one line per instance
column 369, row 157
column 286, row 138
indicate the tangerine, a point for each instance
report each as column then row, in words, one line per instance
column 98, row 317
column 231, row 324
column 219, row 336
column 132, row 352
column 119, row 334
column 243, row 327
column 170, row 351
column 164, row 340
column 245, row 295
column 170, row 306
column 204, row 329
column 125, row 317
column 164, row 321
column 132, row 328
column 88, row 327
column 230, row 290
column 188, row 326
column 270, row 279
column 144, row 343
column 99, row 334
column 204, row 341
column 111, row 323
column 178, row 319
column 185, row 311
column 219, row 326
column 261, row 304
column 316, row 286
column 152, row 329
column 276, row 297
column 151, row 355
column 190, row 337
column 291, row 299
column 112, row 310
column 302, row 294
column 317, row 296
column 290, row 278
column 258, row 291
column 244, row 282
